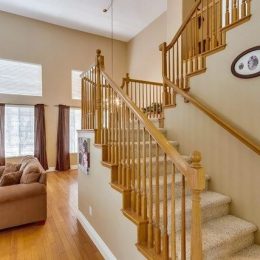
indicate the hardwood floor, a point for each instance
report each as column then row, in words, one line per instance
column 62, row 237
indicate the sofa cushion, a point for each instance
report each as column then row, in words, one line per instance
column 12, row 167
column 21, row 191
column 30, row 177
column 10, row 178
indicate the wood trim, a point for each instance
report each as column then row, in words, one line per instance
column 169, row 106
column 146, row 82
column 215, row 50
column 107, row 164
column 197, row 72
column 137, row 220
column 223, row 123
column 238, row 22
column 119, row 187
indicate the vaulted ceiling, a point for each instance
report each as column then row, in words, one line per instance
column 129, row 16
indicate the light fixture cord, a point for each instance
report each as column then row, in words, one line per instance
column 112, row 37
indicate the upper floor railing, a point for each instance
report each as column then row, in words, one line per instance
column 201, row 33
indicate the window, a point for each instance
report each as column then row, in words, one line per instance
column 76, row 84
column 20, row 78
column 75, row 124
column 19, row 130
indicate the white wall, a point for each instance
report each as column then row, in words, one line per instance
column 143, row 55
column 119, row 233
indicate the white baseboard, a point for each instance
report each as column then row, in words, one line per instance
column 97, row 240
column 52, row 169
column 74, row 167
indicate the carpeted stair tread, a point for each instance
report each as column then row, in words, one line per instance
column 249, row 253
column 213, row 205
column 223, row 236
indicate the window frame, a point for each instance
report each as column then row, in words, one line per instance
column 38, row 81
column 75, row 151
column 72, row 85
column 19, row 145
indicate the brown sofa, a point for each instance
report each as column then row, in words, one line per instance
column 24, row 203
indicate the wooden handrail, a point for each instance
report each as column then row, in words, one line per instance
column 183, row 26
column 189, row 172
column 145, row 82
column 223, row 123
column 83, row 74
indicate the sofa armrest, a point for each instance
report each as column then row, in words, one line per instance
column 43, row 178
column 2, row 168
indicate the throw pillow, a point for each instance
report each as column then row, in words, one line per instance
column 30, row 177
column 31, row 167
column 11, row 167
column 10, row 178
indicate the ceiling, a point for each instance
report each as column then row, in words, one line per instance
column 129, row 16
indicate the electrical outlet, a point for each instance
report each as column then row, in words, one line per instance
column 90, row 210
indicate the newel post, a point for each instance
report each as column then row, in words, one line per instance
column 166, row 97
column 198, row 185
column 99, row 66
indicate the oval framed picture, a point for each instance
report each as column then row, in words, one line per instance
column 247, row 64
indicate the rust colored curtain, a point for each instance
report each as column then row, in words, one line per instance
column 63, row 142
column 2, row 134
column 40, row 135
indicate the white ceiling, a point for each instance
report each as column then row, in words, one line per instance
column 130, row 16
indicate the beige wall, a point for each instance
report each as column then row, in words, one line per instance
column 119, row 233
column 59, row 50
column 144, row 57
column 174, row 17
column 233, row 168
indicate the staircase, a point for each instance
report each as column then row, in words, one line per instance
column 165, row 194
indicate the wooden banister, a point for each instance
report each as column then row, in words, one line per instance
column 218, row 119
column 147, row 95
column 172, row 153
column 200, row 34
column 139, row 154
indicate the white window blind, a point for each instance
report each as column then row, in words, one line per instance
column 19, row 131
column 76, row 84
column 75, row 124
column 20, row 78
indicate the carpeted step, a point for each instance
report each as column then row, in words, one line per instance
column 213, row 205
column 222, row 237
column 249, row 253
